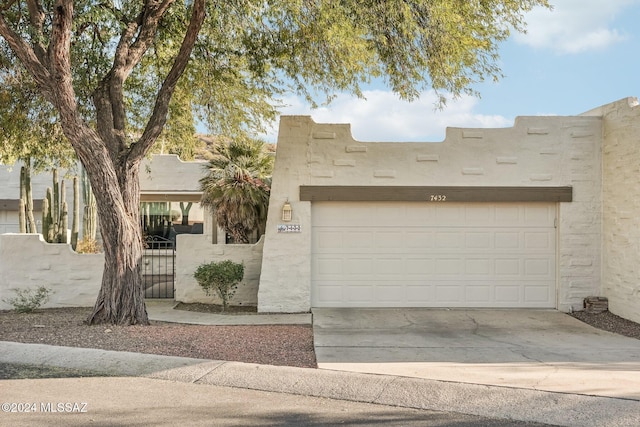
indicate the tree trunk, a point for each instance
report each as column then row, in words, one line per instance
column 185, row 212
column 121, row 297
column 239, row 234
column 112, row 161
column 31, row 222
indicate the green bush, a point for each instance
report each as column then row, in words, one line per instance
column 222, row 277
column 28, row 300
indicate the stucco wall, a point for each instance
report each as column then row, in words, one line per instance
column 159, row 174
column 27, row 261
column 536, row 151
column 621, row 207
column 10, row 190
column 197, row 249
column 167, row 173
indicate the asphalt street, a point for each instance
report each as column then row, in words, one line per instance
column 143, row 401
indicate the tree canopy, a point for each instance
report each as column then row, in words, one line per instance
column 109, row 70
column 248, row 54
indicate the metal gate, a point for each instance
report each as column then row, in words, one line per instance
column 158, row 267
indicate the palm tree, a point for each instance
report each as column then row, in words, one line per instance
column 237, row 187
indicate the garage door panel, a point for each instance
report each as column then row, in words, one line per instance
column 454, row 255
column 537, row 267
column 507, row 267
column 480, row 294
column 507, row 239
column 433, row 294
column 419, row 266
column 417, row 239
column 375, row 241
column 469, row 266
column 508, row 294
column 537, row 240
column 536, row 293
column 389, row 266
column 389, row 239
column 358, row 239
column 478, row 267
column 330, row 240
column 509, row 214
column 478, row 240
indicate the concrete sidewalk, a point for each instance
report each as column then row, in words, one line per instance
column 161, row 310
column 404, row 390
column 487, row 401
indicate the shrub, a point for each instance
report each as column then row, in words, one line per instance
column 222, row 277
column 28, row 300
column 88, row 246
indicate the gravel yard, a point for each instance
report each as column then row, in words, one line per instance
column 284, row 345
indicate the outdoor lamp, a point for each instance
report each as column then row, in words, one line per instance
column 286, row 211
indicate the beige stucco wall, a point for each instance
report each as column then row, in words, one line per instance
column 536, row 151
column 621, row 207
column 10, row 189
column 160, row 175
column 27, row 261
column 195, row 250
column 76, row 278
column 167, row 173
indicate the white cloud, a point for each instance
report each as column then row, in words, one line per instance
column 575, row 26
column 384, row 117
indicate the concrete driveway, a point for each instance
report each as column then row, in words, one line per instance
column 537, row 349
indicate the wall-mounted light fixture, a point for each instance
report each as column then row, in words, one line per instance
column 286, row 211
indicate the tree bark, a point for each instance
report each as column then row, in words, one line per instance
column 112, row 162
column 121, row 297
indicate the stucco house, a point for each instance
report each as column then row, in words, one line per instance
column 538, row 215
column 164, row 179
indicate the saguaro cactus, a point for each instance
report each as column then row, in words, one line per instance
column 27, row 222
column 55, row 217
column 76, row 213
column 90, row 211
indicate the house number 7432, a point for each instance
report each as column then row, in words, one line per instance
column 438, row 198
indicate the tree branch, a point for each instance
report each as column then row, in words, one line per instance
column 135, row 40
column 36, row 17
column 28, row 57
column 159, row 116
column 65, row 99
column 149, row 20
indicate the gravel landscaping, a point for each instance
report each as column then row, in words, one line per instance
column 284, row 345
column 608, row 321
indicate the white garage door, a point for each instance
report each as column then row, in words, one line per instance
column 408, row 254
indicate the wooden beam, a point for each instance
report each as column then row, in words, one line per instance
column 14, row 204
column 171, row 197
column 436, row 194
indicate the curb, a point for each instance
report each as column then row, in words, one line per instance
column 473, row 399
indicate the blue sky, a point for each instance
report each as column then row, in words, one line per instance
column 583, row 54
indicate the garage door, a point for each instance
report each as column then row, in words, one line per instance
column 411, row 254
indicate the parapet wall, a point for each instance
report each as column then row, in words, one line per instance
column 197, row 249
column 27, row 261
column 536, row 151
